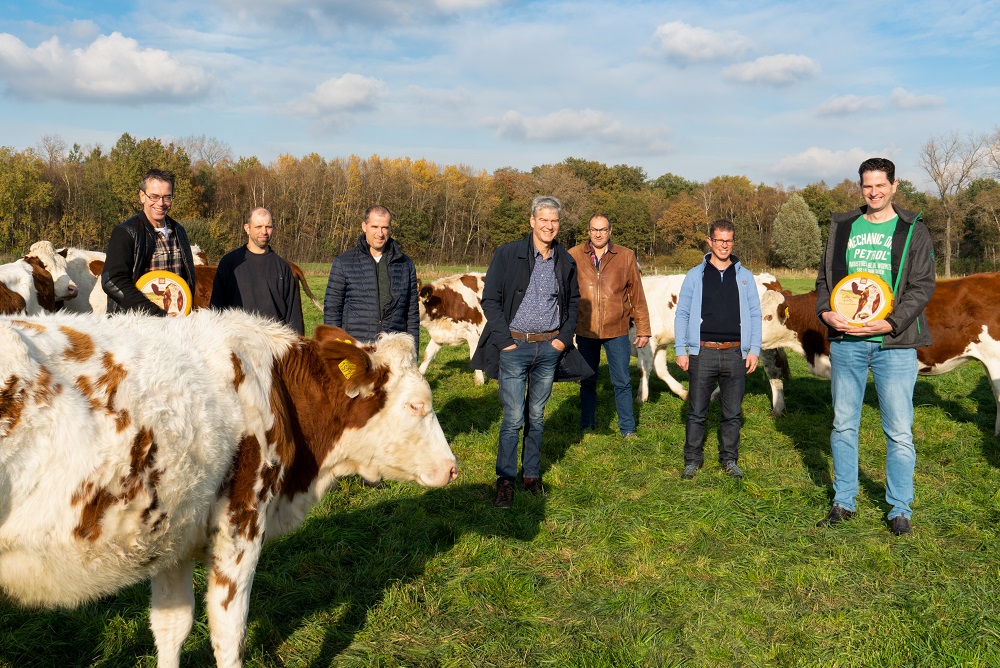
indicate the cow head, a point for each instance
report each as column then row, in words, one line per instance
column 774, row 315
column 54, row 263
column 400, row 439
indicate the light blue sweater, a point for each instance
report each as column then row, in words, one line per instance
column 687, row 321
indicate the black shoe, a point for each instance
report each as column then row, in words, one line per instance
column 505, row 494
column 836, row 515
column 899, row 525
column 533, row 485
column 732, row 469
column 689, row 471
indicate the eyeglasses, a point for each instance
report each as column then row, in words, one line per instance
column 723, row 242
column 167, row 199
column 601, row 230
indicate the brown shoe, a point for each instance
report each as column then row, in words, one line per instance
column 533, row 485
column 836, row 515
column 900, row 525
column 505, row 494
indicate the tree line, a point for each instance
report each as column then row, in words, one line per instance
column 454, row 214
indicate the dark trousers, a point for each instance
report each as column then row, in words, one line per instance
column 728, row 369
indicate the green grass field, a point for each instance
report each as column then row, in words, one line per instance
column 624, row 563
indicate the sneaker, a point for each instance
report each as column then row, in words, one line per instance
column 900, row 525
column 629, row 435
column 732, row 469
column 836, row 515
column 689, row 471
column 505, row 494
column 533, row 485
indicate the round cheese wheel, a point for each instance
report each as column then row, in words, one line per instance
column 861, row 297
column 167, row 290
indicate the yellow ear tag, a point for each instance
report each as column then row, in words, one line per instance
column 347, row 368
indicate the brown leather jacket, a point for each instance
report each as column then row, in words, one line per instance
column 612, row 298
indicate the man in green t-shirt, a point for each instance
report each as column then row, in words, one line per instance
column 894, row 244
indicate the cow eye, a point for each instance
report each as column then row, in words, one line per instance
column 416, row 409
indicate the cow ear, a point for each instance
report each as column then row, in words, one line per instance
column 345, row 361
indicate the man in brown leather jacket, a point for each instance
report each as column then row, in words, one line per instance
column 611, row 298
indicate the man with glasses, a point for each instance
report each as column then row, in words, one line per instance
column 150, row 240
column 611, row 298
column 717, row 338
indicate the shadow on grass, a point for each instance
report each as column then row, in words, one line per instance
column 983, row 418
column 328, row 574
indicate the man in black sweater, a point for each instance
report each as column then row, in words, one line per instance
column 256, row 279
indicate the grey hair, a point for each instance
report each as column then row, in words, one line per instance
column 545, row 202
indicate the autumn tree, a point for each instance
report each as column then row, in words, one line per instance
column 797, row 243
column 683, row 225
column 952, row 163
column 23, row 195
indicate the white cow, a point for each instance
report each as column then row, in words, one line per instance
column 38, row 279
column 662, row 293
column 130, row 447
column 85, row 268
column 451, row 311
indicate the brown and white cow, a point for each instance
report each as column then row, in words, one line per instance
column 131, row 447
column 962, row 315
column 34, row 283
column 84, row 268
column 451, row 311
column 662, row 293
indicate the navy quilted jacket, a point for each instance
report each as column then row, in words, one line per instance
column 352, row 294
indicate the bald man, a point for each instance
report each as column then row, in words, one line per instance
column 255, row 278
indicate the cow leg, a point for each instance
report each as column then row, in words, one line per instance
column 775, row 363
column 172, row 611
column 429, row 352
column 473, row 342
column 993, row 371
column 644, row 360
column 660, row 364
column 228, row 597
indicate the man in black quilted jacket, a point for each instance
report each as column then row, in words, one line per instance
column 373, row 286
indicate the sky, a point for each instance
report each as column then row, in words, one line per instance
column 780, row 92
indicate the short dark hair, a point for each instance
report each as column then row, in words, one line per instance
column 604, row 216
column 157, row 175
column 379, row 209
column 721, row 225
column 877, row 165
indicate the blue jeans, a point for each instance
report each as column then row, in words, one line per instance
column 895, row 373
column 618, row 351
column 709, row 366
column 526, row 376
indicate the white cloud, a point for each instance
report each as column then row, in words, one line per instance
column 689, row 43
column 904, row 99
column 344, row 94
column 844, row 105
column 779, row 69
column 333, row 14
column 820, row 163
column 113, row 68
column 579, row 125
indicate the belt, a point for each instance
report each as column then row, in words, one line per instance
column 535, row 338
column 720, row 346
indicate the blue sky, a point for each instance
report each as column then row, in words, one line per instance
column 780, row 92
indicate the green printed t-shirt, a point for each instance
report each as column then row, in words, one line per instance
column 869, row 249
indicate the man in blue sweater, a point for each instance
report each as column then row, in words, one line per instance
column 717, row 338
